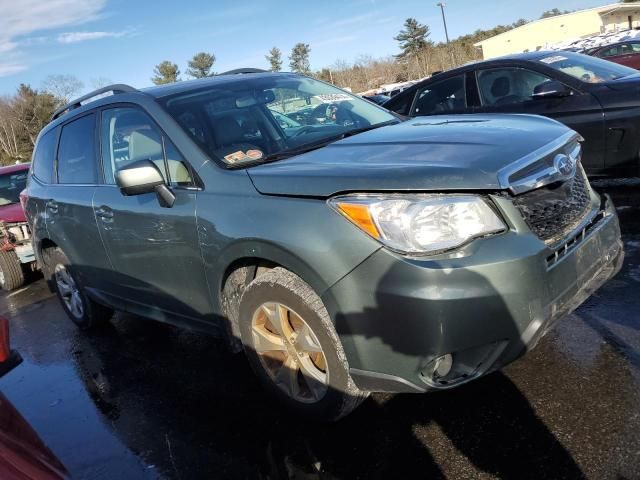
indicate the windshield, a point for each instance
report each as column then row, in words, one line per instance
column 11, row 184
column 585, row 68
column 249, row 120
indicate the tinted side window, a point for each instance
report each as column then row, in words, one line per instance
column 441, row 97
column 401, row 103
column 506, row 86
column 76, row 152
column 128, row 136
column 43, row 156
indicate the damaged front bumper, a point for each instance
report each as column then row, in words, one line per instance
column 485, row 305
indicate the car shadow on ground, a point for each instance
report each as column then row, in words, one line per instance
column 190, row 408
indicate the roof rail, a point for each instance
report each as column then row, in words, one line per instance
column 243, row 70
column 77, row 103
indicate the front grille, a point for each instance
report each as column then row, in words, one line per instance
column 553, row 211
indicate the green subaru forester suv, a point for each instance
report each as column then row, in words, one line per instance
column 345, row 251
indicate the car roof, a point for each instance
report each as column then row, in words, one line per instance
column 514, row 57
column 631, row 40
column 18, row 167
column 159, row 91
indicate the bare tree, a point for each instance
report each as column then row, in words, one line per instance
column 9, row 147
column 62, row 87
column 100, row 82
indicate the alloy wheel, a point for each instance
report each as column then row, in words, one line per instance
column 290, row 352
column 68, row 291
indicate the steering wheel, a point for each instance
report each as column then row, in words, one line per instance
column 303, row 130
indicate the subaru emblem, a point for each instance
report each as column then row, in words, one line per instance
column 564, row 164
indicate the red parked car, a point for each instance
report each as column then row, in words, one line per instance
column 16, row 252
column 625, row 53
column 23, row 456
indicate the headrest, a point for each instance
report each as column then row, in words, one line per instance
column 500, row 87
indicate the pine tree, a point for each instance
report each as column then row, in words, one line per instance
column 299, row 58
column 412, row 38
column 165, row 72
column 275, row 59
column 200, row 65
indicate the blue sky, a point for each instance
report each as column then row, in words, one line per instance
column 122, row 40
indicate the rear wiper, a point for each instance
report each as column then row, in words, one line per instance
column 323, row 142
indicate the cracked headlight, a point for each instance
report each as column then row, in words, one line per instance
column 420, row 224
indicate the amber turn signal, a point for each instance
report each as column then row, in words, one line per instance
column 359, row 214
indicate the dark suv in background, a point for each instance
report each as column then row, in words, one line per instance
column 598, row 99
column 348, row 254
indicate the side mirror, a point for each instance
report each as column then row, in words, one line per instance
column 144, row 177
column 551, row 89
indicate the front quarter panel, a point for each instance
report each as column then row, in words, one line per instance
column 303, row 235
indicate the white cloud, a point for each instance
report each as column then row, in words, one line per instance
column 7, row 69
column 19, row 19
column 75, row 37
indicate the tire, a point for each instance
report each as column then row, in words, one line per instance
column 81, row 309
column 11, row 274
column 311, row 345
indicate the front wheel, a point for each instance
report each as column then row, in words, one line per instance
column 293, row 347
column 11, row 273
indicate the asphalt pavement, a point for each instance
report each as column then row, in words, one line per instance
column 140, row 399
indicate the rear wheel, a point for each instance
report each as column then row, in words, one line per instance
column 81, row 309
column 11, row 274
column 293, row 348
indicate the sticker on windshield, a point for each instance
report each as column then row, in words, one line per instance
column 333, row 97
column 241, row 156
column 554, row 59
column 254, row 154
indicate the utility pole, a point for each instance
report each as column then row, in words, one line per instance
column 444, row 20
column 446, row 33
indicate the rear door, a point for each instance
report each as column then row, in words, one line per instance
column 41, row 174
column 510, row 90
column 68, row 205
column 157, row 265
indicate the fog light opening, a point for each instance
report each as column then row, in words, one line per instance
column 442, row 366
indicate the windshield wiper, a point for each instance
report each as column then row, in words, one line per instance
column 325, row 141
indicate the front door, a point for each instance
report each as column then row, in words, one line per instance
column 510, row 90
column 157, row 265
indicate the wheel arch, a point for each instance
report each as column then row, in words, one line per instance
column 256, row 253
column 243, row 262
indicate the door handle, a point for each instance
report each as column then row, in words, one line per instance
column 105, row 213
column 52, row 206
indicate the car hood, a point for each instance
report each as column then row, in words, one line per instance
column 461, row 152
column 12, row 213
